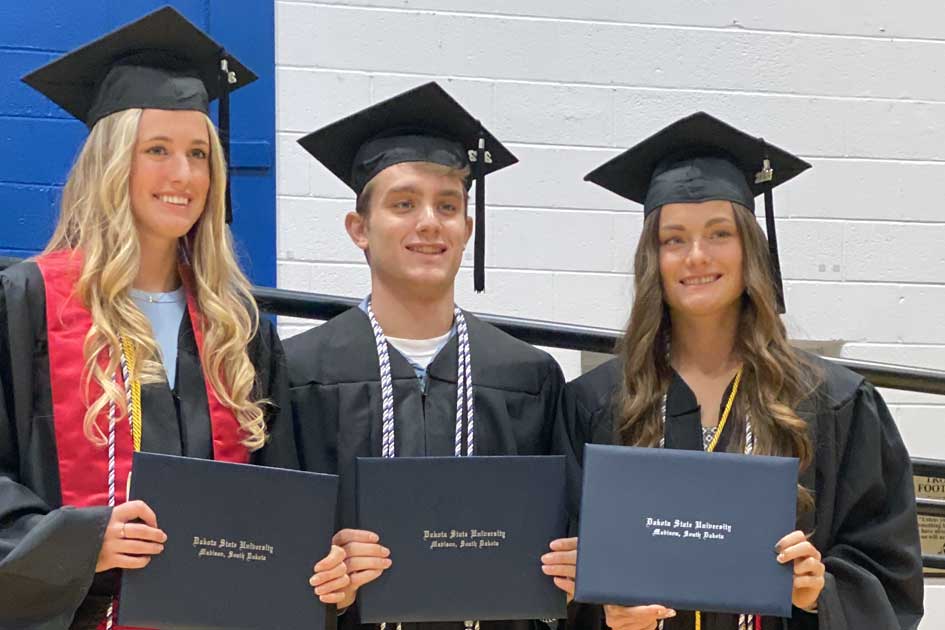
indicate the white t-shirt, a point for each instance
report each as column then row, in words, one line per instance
column 420, row 352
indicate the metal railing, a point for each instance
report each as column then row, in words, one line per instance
column 573, row 337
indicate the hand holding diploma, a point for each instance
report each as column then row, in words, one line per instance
column 808, row 569
column 129, row 544
column 561, row 563
column 330, row 577
column 636, row 617
column 356, row 558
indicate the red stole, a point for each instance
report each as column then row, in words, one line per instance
column 83, row 466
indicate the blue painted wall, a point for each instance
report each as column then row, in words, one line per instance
column 38, row 141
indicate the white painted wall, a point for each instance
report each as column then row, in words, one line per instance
column 855, row 87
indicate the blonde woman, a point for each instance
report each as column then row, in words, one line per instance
column 705, row 364
column 137, row 291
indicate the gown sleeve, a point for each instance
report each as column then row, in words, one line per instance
column 47, row 554
column 269, row 358
column 586, row 419
column 873, row 561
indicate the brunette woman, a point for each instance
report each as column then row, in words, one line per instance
column 705, row 363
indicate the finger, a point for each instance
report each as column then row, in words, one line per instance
column 139, row 531
column 654, row 611
column 346, row 536
column 629, row 623
column 338, row 584
column 560, row 557
column 360, row 578
column 800, row 550
column 565, row 585
column 321, row 577
column 808, row 566
column 808, row 582
column 335, row 557
column 371, row 550
column 332, row 598
column 367, row 564
column 138, row 548
column 140, row 510
column 564, row 544
column 661, row 612
column 559, row 570
column 131, row 562
column 793, row 538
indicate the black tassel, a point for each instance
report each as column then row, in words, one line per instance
column 772, row 230
column 479, row 245
column 773, row 249
column 224, row 127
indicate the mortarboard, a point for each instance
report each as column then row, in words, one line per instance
column 424, row 124
column 160, row 61
column 700, row 158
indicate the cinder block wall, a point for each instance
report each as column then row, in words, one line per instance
column 857, row 88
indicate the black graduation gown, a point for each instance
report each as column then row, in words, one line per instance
column 864, row 522
column 48, row 552
column 336, row 399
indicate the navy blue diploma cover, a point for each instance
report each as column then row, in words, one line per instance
column 685, row 529
column 466, row 536
column 241, row 544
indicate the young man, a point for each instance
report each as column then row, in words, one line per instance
column 408, row 373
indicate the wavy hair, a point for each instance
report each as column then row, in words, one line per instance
column 775, row 379
column 96, row 219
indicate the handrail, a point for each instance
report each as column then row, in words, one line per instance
column 933, row 562
column 537, row 332
column 930, row 507
column 924, row 467
column 575, row 337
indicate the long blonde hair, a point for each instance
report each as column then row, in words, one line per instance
column 775, row 380
column 96, row 219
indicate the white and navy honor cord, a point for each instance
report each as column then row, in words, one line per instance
column 464, row 400
column 112, row 421
column 745, row 621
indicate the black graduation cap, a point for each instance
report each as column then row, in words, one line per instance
column 700, row 158
column 160, row 61
column 424, row 124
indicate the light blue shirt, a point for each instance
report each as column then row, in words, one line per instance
column 165, row 312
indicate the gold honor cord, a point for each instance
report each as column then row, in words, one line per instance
column 715, row 441
column 134, row 413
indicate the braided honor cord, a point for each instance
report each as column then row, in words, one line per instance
column 464, row 399
column 464, row 389
column 133, row 405
column 387, row 387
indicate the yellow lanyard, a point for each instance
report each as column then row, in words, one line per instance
column 128, row 349
column 725, row 412
column 715, row 441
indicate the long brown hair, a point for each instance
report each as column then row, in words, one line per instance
column 96, row 219
column 775, row 379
